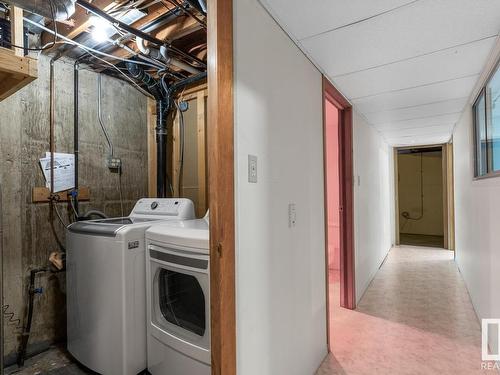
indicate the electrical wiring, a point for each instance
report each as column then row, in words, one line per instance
column 47, row 46
column 123, row 74
column 85, row 48
column 120, row 189
column 406, row 214
column 202, row 23
column 111, row 65
column 59, row 215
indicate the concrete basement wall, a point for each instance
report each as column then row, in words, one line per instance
column 24, row 133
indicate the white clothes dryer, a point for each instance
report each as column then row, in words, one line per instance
column 178, row 298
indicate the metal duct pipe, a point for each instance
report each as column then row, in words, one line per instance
column 203, row 6
column 63, row 9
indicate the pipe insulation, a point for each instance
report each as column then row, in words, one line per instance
column 62, row 9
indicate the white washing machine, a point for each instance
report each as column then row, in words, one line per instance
column 106, row 286
column 178, row 298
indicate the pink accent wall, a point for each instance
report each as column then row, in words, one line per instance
column 332, row 185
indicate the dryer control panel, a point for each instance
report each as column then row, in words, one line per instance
column 181, row 208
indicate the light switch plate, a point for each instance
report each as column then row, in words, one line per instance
column 252, row 169
column 292, row 215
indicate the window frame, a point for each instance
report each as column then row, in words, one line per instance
column 482, row 93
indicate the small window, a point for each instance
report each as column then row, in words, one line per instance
column 487, row 127
column 480, row 136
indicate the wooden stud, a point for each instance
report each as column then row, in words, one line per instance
column 176, row 156
column 202, row 174
column 42, row 195
column 151, row 122
column 17, row 30
column 220, row 145
column 194, row 95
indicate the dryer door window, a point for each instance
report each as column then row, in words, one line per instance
column 182, row 301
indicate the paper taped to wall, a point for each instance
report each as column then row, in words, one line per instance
column 64, row 171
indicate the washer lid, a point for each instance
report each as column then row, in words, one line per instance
column 107, row 227
column 189, row 233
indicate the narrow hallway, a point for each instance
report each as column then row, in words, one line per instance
column 416, row 317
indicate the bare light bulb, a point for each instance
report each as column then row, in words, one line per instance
column 101, row 29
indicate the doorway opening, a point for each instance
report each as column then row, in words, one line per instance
column 423, row 187
column 338, row 164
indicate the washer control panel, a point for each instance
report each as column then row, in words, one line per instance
column 178, row 207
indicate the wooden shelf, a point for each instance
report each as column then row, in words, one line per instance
column 15, row 72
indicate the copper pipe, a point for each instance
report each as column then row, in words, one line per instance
column 51, row 124
column 52, row 116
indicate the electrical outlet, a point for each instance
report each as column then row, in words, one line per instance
column 114, row 164
column 252, row 169
column 292, row 215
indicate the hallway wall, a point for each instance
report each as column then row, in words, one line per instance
column 477, row 217
column 280, row 271
column 374, row 212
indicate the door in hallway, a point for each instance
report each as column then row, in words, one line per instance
column 339, row 225
column 422, row 196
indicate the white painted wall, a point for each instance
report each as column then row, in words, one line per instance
column 374, row 212
column 477, row 219
column 280, row 271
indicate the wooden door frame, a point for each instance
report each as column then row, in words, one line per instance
column 220, row 147
column 346, row 199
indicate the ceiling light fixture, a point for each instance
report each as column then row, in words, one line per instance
column 101, row 29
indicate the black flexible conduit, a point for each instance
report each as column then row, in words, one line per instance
column 163, row 96
column 21, row 355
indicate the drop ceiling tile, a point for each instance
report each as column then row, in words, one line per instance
column 419, row 140
column 448, row 119
column 457, row 88
column 420, row 131
column 440, row 66
column 307, row 18
column 417, row 112
column 419, row 28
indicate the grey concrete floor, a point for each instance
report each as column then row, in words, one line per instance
column 55, row 361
